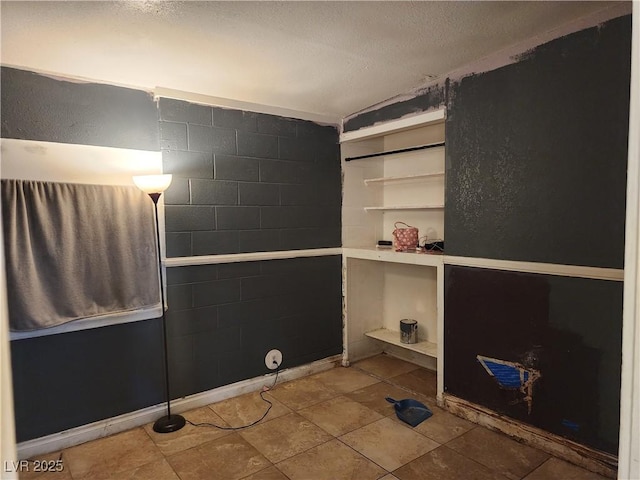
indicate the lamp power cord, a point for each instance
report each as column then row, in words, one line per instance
column 264, row 390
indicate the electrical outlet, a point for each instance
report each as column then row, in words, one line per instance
column 273, row 359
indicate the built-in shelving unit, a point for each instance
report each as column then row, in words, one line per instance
column 399, row 177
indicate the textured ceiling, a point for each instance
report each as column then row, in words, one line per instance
column 326, row 58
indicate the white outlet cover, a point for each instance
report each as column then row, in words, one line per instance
column 273, row 356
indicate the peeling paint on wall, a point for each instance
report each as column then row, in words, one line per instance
column 567, row 330
column 512, row 376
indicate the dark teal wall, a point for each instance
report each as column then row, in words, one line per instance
column 63, row 381
column 223, row 319
column 537, row 151
column 67, row 380
column 569, row 329
column 536, row 171
column 36, row 107
column 243, row 182
column 536, row 155
column 434, row 97
column 248, row 182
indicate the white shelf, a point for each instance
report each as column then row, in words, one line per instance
column 401, row 178
column 394, row 126
column 389, row 336
column 389, row 255
column 397, row 168
column 406, row 207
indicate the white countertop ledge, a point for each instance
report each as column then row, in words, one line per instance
column 249, row 257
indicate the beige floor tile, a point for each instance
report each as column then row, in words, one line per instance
column 303, row 393
column 271, row 473
column 246, row 409
column 189, row 435
column 157, row 470
column 285, row 437
column 445, row 464
column 340, row 415
column 388, row 443
column 108, row 456
column 345, row 380
column 421, row 381
column 302, row 444
column 385, row 366
column 43, row 467
column 556, row 469
column 226, row 458
column 374, row 397
column 330, row 461
column 498, row 452
column 29, row 473
column 442, row 426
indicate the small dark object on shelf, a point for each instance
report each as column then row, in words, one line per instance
column 434, row 246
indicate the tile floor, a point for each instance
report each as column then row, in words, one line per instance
column 333, row 425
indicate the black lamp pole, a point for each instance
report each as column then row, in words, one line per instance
column 168, row 423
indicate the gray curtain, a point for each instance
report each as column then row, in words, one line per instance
column 76, row 251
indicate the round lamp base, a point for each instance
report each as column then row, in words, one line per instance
column 169, row 424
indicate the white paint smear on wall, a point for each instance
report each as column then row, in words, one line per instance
column 72, row 163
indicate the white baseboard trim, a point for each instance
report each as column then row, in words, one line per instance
column 103, row 428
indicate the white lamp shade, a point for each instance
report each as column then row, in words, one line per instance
column 152, row 183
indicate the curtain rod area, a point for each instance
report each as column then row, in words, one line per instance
column 393, row 152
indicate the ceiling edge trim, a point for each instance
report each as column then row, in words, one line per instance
column 65, row 77
column 190, row 97
column 507, row 55
column 247, row 106
column 513, row 53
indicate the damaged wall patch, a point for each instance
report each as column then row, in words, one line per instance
column 512, row 376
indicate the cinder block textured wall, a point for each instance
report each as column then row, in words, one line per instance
column 224, row 318
column 243, row 182
column 248, row 182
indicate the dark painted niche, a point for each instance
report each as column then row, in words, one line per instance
column 537, row 151
column 36, row 107
column 567, row 329
column 433, row 97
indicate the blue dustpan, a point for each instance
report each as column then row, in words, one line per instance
column 410, row 411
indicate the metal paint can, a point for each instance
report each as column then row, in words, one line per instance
column 408, row 331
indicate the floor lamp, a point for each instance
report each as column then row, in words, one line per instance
column 154, row 185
